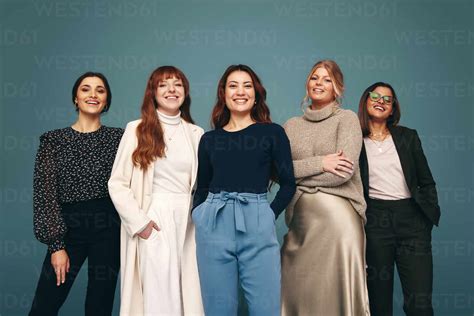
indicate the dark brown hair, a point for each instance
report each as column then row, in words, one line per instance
column 88, row 74
column 260, row 112
column 151, row 144
column 364, row 119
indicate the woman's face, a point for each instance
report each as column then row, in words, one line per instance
column 380, row 104
column 170, row 95
column 320, row 87
column 91, row 96
column 239, row 92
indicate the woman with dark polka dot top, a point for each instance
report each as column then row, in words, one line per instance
column 73, row 213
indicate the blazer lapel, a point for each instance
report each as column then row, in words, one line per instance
column 364, row 170
column 402, row 146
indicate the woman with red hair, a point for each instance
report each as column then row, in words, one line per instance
column 151, row 186
column 235, row 225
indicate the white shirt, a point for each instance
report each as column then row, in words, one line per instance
column 386, row 178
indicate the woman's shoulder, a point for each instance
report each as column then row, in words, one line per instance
column 399, row 130
column 295, row 120
column 276, row 129
column 210, row 134
column 55, row 134
column 272, row 126
column 133, row 124
column 194, row 127
column 262, row 129
column 348, row 113
column 348, row 117
column 114, row 130
column 114, row 133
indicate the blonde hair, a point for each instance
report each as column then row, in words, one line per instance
column 336, row 76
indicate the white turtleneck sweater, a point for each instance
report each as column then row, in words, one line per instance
column 172, row 173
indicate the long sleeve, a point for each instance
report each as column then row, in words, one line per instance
column 427, row 193
column 349, row 140
column 306, row 167
column 204, row 174
column 283, row 164
column 133, row 217
column 49, row 225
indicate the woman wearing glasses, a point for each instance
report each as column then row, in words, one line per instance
column 402, row 205
column 323, row 259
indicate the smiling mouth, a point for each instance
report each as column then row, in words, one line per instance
column 171, row 97
column 317, row 90
column 240, row 101
column 92, row 102
column 379, row 108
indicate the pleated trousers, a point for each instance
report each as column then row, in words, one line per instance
column 160, row 255
column 236, row 242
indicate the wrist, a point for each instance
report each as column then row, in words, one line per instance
column 56, row 246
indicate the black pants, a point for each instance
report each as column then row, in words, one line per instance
column 93, row 233
column 399, row 233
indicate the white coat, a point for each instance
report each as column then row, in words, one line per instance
column 130, row 189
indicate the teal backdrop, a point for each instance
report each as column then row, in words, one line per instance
column 423, row 48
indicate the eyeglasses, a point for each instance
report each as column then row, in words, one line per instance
column 374, row 96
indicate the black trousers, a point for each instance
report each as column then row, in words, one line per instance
column 399, row 233
column 93, row 233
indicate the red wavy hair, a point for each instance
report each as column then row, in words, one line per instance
column 151, row 144
column 260, row 112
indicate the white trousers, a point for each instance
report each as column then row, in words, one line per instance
column 160, row 255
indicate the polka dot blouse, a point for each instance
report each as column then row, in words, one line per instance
column 70, row 167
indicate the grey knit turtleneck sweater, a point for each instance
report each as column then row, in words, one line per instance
column 318, row 133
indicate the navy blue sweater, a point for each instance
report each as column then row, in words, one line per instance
column 243, row 161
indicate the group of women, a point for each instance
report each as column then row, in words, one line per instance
column 185, row 215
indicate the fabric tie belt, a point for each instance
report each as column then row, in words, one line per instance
column 238, row 199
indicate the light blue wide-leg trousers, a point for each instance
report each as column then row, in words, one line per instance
column 236, row 241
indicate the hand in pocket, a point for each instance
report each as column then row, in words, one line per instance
column 145, row 233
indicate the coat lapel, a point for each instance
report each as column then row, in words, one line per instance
column 192, row 138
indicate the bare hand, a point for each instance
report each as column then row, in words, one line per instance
column 145, row 234
column 338, row 164
column 60, row 263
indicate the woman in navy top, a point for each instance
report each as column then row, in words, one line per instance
column 235, row 224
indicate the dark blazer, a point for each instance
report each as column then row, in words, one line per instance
column 415, row 169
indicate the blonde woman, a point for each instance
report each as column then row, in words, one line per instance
column 323, row 257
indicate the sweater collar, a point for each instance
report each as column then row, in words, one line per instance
column 322, row 114
column 168, row 119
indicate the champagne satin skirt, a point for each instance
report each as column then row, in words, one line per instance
column 323, row 259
